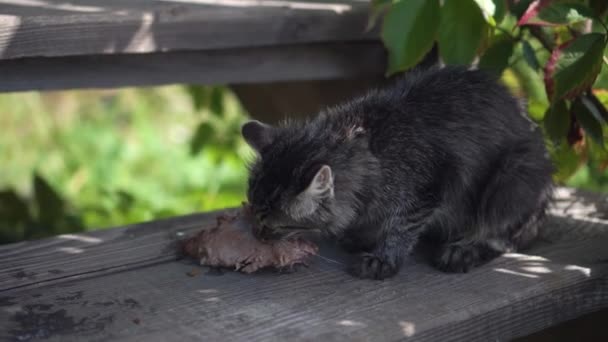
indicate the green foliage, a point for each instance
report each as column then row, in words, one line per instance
column 487, row 7
column 562, row 14
column 81, row 160
column 591, row 125
column 557, row 121
column 203, row 135
column 497, row 55
column 529, row 55
column 409, row 30
column 550, row 51
column 461, row 31
column 574, row 66
column 46, row 214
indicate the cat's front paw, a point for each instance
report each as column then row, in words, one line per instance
column 370, row 266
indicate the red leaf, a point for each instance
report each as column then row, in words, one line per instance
column 532, row 12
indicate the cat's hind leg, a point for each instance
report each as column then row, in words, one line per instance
column 509, row 211
column 463, row 255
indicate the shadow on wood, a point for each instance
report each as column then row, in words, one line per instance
column 272, row 102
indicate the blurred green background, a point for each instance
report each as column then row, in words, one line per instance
column 84, row 160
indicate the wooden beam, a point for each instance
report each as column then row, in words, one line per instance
column 80, row 27
column 243, row 65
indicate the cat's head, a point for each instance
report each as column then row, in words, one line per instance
column 291, row 183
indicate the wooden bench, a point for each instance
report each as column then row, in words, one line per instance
column 128, row 284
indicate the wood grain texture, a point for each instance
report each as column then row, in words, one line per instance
column 564, row 276
column 53, row 28
column 66, row 256
column 245, row 65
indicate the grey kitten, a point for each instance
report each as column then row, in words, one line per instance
column 446, row 154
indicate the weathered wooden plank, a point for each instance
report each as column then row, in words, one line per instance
column 81, row 27
column 245, row 65
column 66, row 256
column 563, row 277
column 36, row 263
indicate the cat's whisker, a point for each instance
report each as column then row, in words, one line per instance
column 288, row 236
column 328, row 259
column 292, row 234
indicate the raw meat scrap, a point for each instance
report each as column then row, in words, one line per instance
column 231, row 243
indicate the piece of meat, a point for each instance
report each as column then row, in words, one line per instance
column 231, row 243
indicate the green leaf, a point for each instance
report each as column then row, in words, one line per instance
column 408, row 32
column 602, row 79
column 50, row 205
column 595, row 108
column 557, row 121
column 496, row 57
column 201, row 137
column 537, row 109
column 530, row 55
column 529, row 79
column 501, row 10
column 519, row 8
column 564, row 14
column 565, row 159
column 488, row 8
column 588, row 122
column 574, row 66
column 460, row 31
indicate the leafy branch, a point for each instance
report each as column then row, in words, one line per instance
column 561, row 41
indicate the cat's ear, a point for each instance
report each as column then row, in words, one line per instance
column 258, row 135
column 322, row 184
